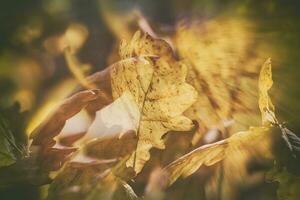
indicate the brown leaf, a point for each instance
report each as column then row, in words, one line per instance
column 110, row 148
column 51, row 127
column 53, row 159
column 68, row 141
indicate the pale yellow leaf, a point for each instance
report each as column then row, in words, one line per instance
column 265, row 83
column 211, row 154
column 156, row 81
column 223, row 62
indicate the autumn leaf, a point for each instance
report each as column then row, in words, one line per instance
column 112, row 147
column 211, row 154
column 154, row 82
column 267, row 108
column 43, row 150
column 287, row 182
column 43, row 135
column 34, row 166
column 106, row 163
column 223, row 59
column 223, row 68
column 265, row 83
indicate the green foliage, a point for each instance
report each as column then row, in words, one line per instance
column 13, row 140
column 288, row 183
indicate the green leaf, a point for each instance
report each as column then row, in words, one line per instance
column 288, row 184
column 13, row 140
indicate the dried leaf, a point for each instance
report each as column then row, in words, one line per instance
column 155, row 84
column 111, row 148
column 43, row 135
column 43, row 154
column 213, row 153
column 102, row 80
column 223, row 68
column 265, row 83
column 267, row 108
column 288, row 183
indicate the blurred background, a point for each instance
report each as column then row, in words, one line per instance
column 34, row 34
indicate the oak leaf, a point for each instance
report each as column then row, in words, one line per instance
column 155, row 82
column 211, row 154
column 223, row 68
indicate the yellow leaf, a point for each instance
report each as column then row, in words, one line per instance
column 211, row 154
column 265, row 82
column 267, row 108
column 239, row 146
column 156, row 82
column 223, row 68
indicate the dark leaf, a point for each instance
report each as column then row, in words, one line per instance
column 13, row 140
